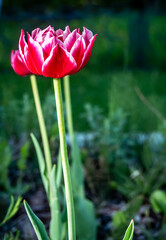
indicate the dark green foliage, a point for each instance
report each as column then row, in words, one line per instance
column 23, row 112
column 5, row 160
column 12, row 209
column 123, row 95
column 110, row 136
column 137, row 167
column 142, row 177
column 8, row 184
column 134, row 166
column 158, row 201
column 122, row 217
column 11, row 236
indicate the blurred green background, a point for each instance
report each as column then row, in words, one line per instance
column 129, row 52
column 119, row 97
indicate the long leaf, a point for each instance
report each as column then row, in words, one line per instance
column 42, row 164
column 55, row 224
column 76, row 170
column 85, row 219
column 129, row 232
column 36, row 223
column 84, row 209
column 12, row 209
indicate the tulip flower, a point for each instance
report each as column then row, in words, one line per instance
column 53, row 53
column 17, row 64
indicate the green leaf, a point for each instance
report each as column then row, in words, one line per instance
column 55, row 224
column 12, row 210
column 119, row 219
column 36, row 223
column 5, row 160
column 64, row 231
column 21, row 163
column 85, row 219
column 158, row 201
column 41, row 162
column 12, row 236
column 76, row 170
column 133, row 206
column 84, row 209
column 129, row 232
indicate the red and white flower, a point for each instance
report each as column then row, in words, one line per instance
column 53, row 53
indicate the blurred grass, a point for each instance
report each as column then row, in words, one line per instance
column 108, row 68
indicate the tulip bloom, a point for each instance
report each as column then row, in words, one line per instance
column 53, row 54
column 17, row 64
column 57, row 53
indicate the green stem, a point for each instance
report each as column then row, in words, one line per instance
column 78, row 185
column 68, row 108
column 65, row 162
column 59, row 170
column 41, row 124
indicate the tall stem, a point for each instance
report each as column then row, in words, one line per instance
column 65, row 162
column 68, row 107
column 41, row 124
column 78, row 184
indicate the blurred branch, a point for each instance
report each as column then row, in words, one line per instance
column 149, row 105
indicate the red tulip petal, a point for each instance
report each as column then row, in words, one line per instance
column 88, row 53
column 59, row 64
column 25, row 55
column 48, row 32
column 17, row 64
column 29, row 61
column 87, row 35
column 49, row 44
column 47, row 29
column 66, row 33
column 78, row 50
column 59, row 32
column 35, row 32
column 70, row 40
column 22, row 44
column 36, row 53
